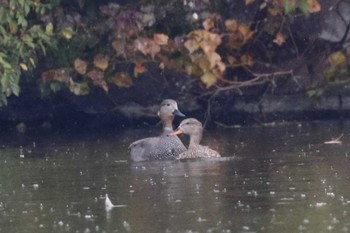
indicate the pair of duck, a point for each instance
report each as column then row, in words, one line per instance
column 168, row 145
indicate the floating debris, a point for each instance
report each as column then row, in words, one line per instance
column 334, row 141
column 109, row 205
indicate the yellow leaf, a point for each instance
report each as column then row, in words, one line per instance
column 274, row 11
column 119, row 46
column 246, row 60
column 191, row 45
column 49, row 29
column 147, row 46
column 101, row 61
column 67, row 33
column 337, row 59
column 160, row 38
column 313, row 6
column 208, row 79
column 97, row 78
column 78, row 88
column 221, row 66
column 213, row 59
column 95, row 75
column 32, row 61
column 231, row 25
column 80, row 66
column 203, row 63
column 13, row 27
column 245, row 31
column 23, row 66
column 122, row 79
column 210, row 42
column 208, row 24
column 279, row 39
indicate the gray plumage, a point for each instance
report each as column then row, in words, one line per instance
column 163, row 147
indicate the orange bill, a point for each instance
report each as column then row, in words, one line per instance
column 177, row 132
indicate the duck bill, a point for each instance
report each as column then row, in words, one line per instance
column 177, row 132
column 176, row 112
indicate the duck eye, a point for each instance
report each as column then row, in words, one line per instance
column 187, row 123
column 168, row 105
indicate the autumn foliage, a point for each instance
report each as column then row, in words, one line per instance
column 199, row 40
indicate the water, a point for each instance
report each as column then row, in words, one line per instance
column 272, row 179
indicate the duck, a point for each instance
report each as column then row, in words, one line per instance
column 162, row 147
column 194, row 129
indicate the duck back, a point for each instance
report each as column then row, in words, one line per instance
column 156, row 148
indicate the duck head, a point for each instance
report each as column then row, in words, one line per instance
column 189, row 126
column 169, row 109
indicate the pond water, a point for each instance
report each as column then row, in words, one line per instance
column 280, row 178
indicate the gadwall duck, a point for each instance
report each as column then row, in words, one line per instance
column 194, row 129
column 162, row 147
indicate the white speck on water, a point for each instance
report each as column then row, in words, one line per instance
column 126, row 225
column 246, row 228
column 272, row 192
column 86, row 188
column 201, row 219
column 41, row 226
column 320, row 204
column 190, row 212
column 330, row 195
column 60, row 223
column 195, row 16
column 35, row 186
column 306, row 221
column 334, row 220
column 292, row 188
column 21, row 154
column 302, row 195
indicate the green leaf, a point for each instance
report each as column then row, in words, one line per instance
column 49, row 29
column 67, row 32
column 55, row 86
column 288, row 7
column 303, row 6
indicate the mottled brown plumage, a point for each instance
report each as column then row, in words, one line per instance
column 194, row 129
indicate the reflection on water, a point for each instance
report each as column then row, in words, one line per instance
column 272, row 179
